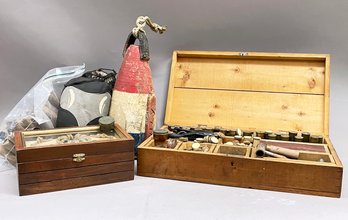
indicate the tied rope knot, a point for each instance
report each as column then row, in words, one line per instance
column 142, row 21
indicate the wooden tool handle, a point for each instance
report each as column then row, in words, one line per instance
column 283, row 151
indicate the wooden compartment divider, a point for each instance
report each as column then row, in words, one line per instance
column 250, row 91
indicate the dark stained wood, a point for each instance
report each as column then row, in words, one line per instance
column 58, row 164
column 51, row 168
column 75, row 172
column 63, row 184
column 66, row 151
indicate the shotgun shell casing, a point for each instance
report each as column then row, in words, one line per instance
column 260, row 134
column 314, row 139
column 306, row 136
column 278, row 135
column 272, row 136
column 320, row 139
column 230, row 132
column 268, row 132
column 284, row 137
column 292, row 135
column 247, row 133
column 106, row 124
column 298, row 138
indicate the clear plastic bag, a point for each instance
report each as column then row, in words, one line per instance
column 36, row 110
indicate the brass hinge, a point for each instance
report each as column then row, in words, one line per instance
column 79, row 157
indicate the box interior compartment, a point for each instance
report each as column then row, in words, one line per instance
column 252, row 92
column 229, row 150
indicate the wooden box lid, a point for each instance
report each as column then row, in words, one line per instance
column 253, row 91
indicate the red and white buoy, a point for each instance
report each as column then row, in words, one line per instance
column 133, row 104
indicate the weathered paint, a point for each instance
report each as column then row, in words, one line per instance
column 133, row 102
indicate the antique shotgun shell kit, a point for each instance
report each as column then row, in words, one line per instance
column 255, row 120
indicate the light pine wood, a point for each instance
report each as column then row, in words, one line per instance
column 289, row 89
column 291, row 76
column 252, row 91
column 327, row 96
column 247, row 110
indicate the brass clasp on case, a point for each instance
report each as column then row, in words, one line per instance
column 79, row 157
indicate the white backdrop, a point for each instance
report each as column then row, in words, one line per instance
column 36, row 36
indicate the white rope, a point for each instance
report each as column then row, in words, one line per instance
column 142, row 21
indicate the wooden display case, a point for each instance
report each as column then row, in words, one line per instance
column 250, row 91
column 58, row 159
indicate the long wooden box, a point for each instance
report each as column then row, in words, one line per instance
column 251, row 91
column 48, row 167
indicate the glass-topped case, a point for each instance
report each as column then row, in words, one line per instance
column 32, row 139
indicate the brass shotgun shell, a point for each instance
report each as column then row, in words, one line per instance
column 272, row 136
column 306, row 136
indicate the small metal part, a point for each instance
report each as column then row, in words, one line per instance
column 298, row 138
column 272, row 136
column 183, row 139
column 171, row 127
column 321, row 160
column 292, row 135
column 195, row 146
column 201, row 140
column 306, row 136
column 79, row 157
column 213, row 140
column 285, row 137
column 107, row 124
